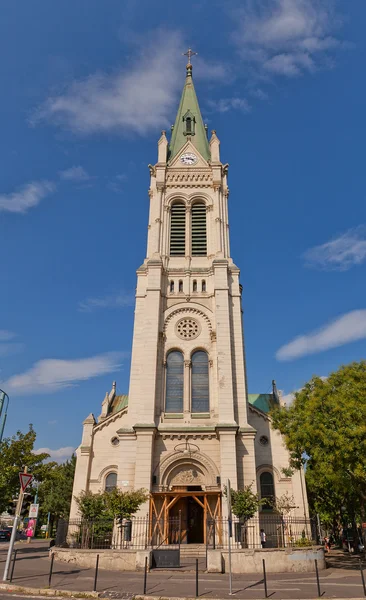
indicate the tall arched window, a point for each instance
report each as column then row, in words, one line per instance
column 181, row 286
column 171, row 287
column 267, row 489
column 203, row 285
column 199, row 233
column 110, row 482
column 194, row 285
column 178, row 230
column 200, row 385
column 174, row 382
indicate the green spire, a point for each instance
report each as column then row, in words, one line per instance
column 188, row 123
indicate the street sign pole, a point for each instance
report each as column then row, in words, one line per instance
column 25, row 480
column 230, row 529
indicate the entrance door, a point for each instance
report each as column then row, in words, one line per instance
column 194, row 521
column 178, row 511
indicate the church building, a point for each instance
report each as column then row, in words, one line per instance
column 188, row 423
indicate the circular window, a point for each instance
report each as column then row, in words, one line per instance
column 264, row 440
column 188, row 328
column 114, row 441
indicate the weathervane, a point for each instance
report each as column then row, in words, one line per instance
column 190, row 53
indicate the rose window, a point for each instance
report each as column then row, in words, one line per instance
column 188, row 329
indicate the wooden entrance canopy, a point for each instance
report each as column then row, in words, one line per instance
column 162, row 502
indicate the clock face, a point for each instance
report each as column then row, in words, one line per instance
column 188, row 158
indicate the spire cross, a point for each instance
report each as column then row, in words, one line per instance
column 190, row 53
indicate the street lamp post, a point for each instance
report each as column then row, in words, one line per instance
column 4, row 403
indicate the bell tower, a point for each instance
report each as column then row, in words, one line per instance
column 186, row 425
column 188, row 365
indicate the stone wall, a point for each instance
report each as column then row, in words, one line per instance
column 243, row 561
column 289, row 560
column 111, row 560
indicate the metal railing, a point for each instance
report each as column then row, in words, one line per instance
column 135, row 534
column 141, row 533
column 265, row 531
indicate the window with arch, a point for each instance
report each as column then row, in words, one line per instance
column 110, row 482
column 174, row 382
column 199, row 232
column 178, row 229
column 181, row 286
column 203, row 285
column 194, row 288
column 171, row 287
column 267, row 489
column 200, row 383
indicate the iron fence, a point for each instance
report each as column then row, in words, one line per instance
column 265, row 531
column 135, row 534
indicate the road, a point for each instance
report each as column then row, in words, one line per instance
column 341, row 580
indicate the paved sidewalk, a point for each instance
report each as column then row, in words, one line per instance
column 341, row 580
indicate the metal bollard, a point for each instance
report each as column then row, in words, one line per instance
column 317, row 578
column 265, row 578
column 197, row 578
column 13, row 565
column 145, row 576
column 362, row 577
column 51, row 568
column 96, row 574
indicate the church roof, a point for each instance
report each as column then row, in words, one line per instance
column 118, row 403
column 262, row 401
column 189, row 106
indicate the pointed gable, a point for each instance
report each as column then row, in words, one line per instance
column 189, row 123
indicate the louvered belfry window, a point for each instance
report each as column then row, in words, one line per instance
column 174, row 382
column 200, row 385
column 199, row 232
column 178, row 230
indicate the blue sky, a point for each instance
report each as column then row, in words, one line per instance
column 87, row 87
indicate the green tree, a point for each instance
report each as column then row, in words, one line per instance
column 55, row 492
column 325, row 428
column 122, row 505
column 116, row 504
column 16, row 452
column 283, row 504
column 92, row 506
column 244, row 503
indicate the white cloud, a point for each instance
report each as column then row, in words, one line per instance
column 138, row 98
column 75, row 174
column 58, row 455
column 26, row 197
column 343, row 330
column 286, row 37
column 52, row 375
column 10, row 349
column 210, row 71
column 225, row 104
column 7, row 345
column 340, row 254
column 6, row 335
column 120, row 300
column 288, row 399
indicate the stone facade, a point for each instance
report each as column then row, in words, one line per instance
column 185, row 303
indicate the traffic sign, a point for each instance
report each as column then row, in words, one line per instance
column 25, row 479
column 33, row 511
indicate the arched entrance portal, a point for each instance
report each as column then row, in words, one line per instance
column 190, row 497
